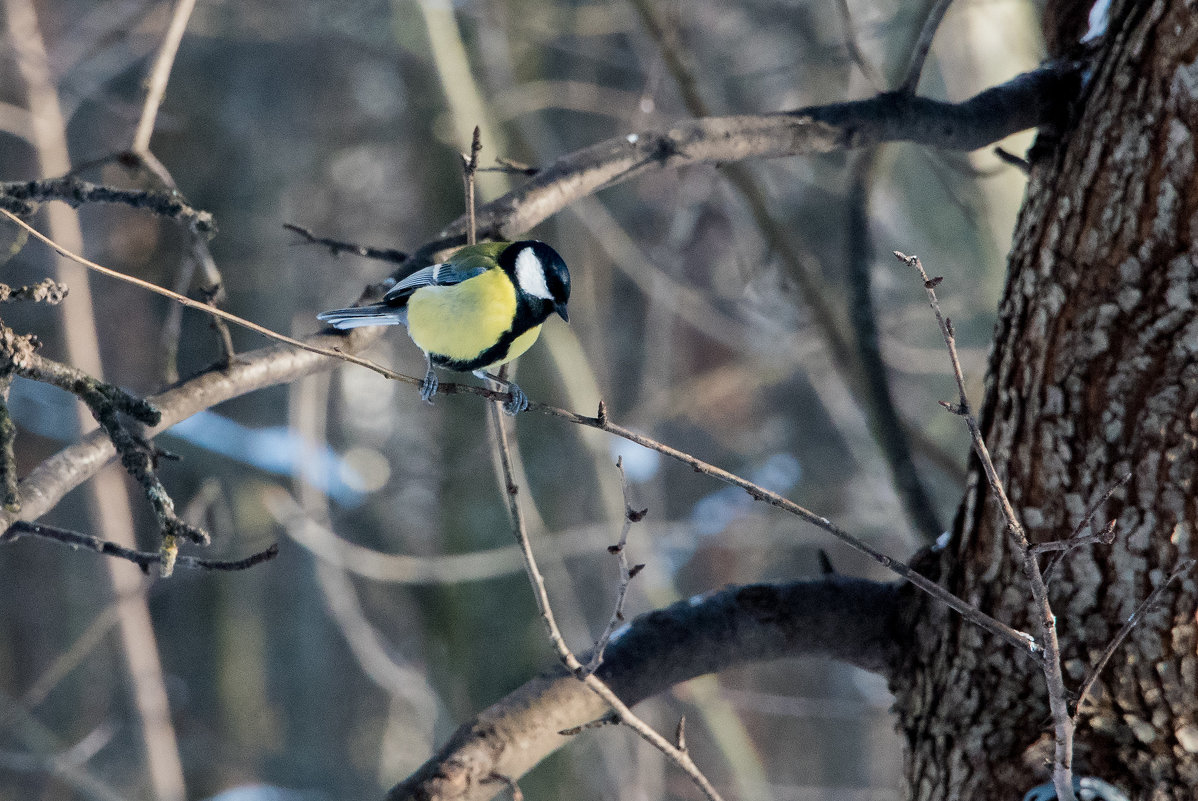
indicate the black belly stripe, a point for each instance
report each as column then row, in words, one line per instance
column 489, row 356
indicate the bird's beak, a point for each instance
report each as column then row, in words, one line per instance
column 561, row 310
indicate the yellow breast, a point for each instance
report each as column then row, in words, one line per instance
column 463, row 320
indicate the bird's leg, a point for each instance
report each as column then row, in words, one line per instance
column 428, row 387
column 518, row 401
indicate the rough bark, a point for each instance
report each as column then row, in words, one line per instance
column 1094, row 375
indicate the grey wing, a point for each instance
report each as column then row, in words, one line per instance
column 443, row 274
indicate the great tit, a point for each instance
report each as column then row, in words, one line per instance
column 481, row 308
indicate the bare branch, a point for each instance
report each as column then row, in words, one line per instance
column 576, row 668
column 22, row 197
column 68, row 474
column 332, row 352
column 469, row 170
column 923, row 46
column 1024, row 642
column 1106, row 536
column 1020, row 103
column 1026, row 101
column 854, row 47
column 627, row 572
column 1132, row 621
column 107, row 403
column 887, row 424
column 848, row 619
column 71, row 466
column 143, row 559
column 1051, row 663
column 160, row 74
column 337, row 247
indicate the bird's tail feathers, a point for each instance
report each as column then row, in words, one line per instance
column 358, row 316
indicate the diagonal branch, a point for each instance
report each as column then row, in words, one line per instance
column 619, row 710
column 75, row 464
column 1026, row 101
column 852, row 620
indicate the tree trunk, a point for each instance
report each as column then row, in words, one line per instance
column 1094, row 376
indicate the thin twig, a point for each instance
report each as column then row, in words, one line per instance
column 337, row 247
column 919, row 54
column 511, row 167
column 1094, row 507
column 885, row 421
column 627, row 572
column 827, row 314
column 872, row 76
column 511, row 492
column 1020, row 640
column 216, row 312
column 598, row 723
column 1062, row 774
column 160, row 74
column 469, row 170
column 143, row 559
column 1018, row 162
column 1105, row 536
column 1132, row 621
column 210, row 286
column 107, row 403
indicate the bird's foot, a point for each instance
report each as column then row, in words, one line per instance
column 518, row 401
column 428, row 387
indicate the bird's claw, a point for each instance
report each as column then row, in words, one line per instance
column 428, row 387
column 517, row 403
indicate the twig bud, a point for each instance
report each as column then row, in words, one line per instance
column 680, row 734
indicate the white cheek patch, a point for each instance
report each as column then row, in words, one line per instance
column 531, row 276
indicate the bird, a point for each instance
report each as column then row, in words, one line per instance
column 479, row 309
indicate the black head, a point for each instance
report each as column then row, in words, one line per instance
column 540, row 275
